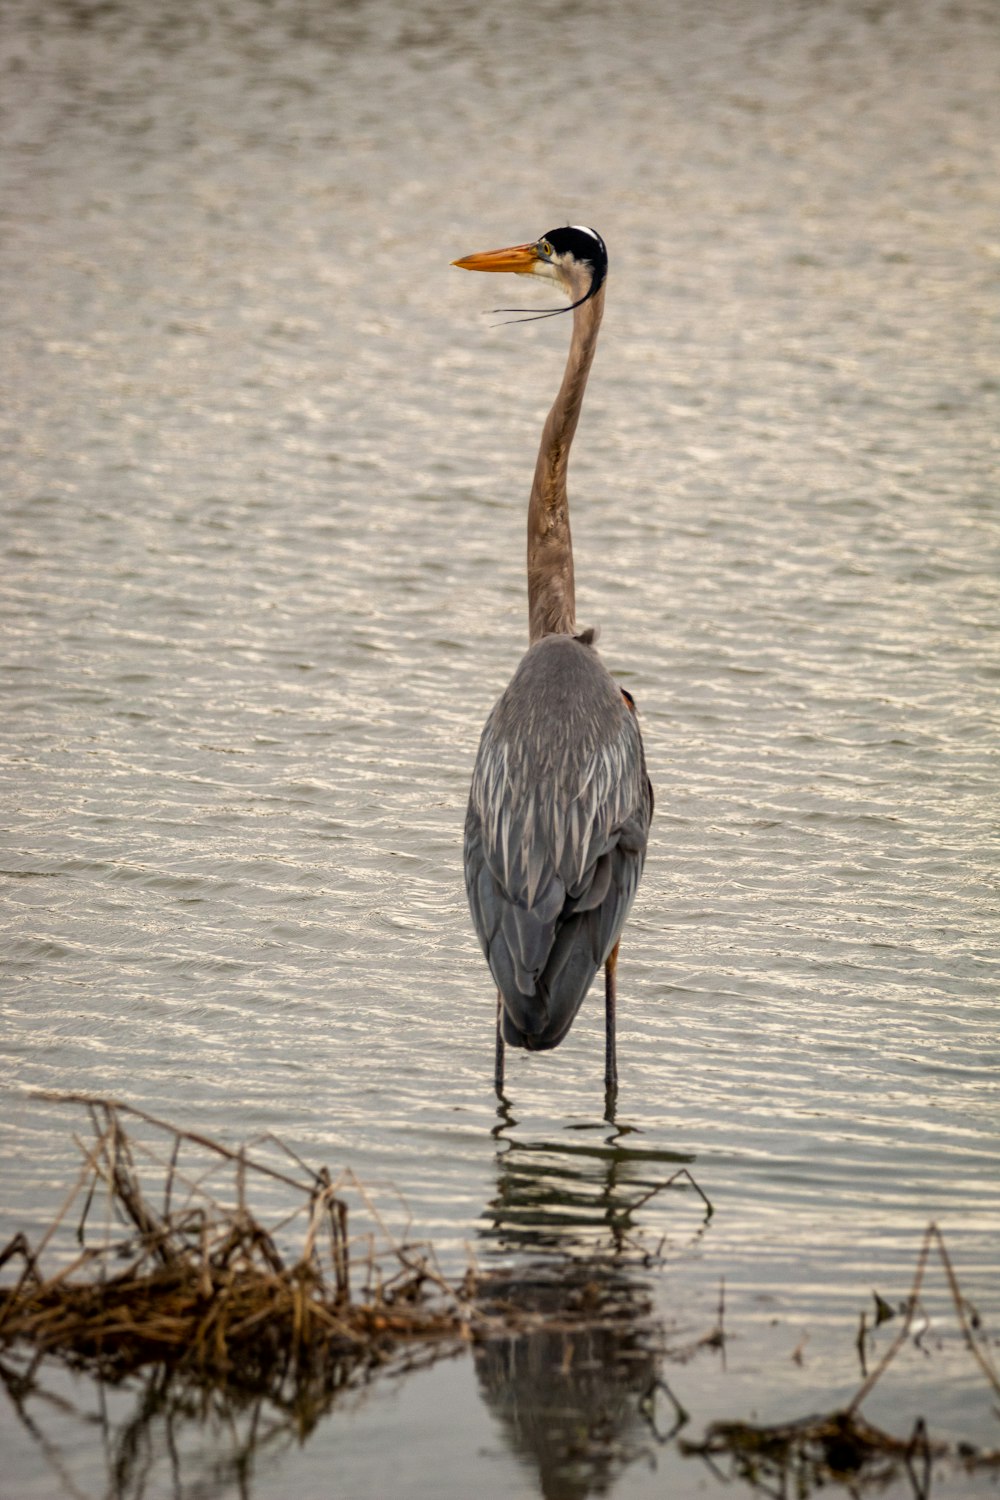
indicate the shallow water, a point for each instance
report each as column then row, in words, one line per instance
column 264, row 481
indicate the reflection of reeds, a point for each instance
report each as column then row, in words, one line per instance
column 794, row 1458
column 572, row 1199
column 191, row 1280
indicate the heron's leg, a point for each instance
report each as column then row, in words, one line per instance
column 498, row 1065
column 610, row 996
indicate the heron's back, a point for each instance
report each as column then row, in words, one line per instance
column 555, row 834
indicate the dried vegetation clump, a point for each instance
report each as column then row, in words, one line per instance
column 188, row 1275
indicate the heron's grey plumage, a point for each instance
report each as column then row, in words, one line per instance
column 555, row 835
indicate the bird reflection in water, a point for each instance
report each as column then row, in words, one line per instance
column 570, row 1348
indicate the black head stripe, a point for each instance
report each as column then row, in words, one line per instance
column 582, row 244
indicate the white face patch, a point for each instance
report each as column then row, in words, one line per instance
column 547, row 269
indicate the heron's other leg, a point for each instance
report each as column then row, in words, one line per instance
column 498, row 1065
column 610, row 996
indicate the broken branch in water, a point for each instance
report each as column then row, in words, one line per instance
column 817, row 1449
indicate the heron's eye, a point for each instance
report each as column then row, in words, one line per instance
column 546, row 249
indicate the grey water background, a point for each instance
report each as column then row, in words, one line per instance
column 264, row 481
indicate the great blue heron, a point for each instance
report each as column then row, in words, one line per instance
column 555, row 834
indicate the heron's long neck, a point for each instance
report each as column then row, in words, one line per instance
column 551, row 600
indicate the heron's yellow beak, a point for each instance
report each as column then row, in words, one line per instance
column 521, row 259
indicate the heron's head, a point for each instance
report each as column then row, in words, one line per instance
column 574, row 257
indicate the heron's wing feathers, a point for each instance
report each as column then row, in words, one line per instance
column 555, row 834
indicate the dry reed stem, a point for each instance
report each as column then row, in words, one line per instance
column 932, row 1234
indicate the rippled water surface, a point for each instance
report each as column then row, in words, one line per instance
column 263, row 491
